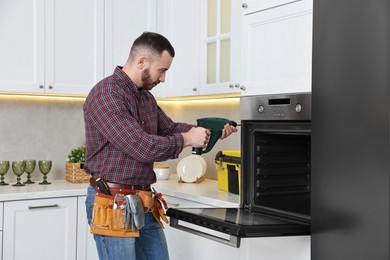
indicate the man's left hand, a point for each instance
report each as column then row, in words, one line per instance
column 228, row 130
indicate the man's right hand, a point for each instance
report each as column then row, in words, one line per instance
column 196, row 137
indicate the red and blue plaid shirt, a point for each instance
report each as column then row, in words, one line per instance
column 126, row 132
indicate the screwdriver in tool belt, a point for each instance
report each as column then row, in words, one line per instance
column 103, row 187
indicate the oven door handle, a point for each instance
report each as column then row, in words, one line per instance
column 232, row 241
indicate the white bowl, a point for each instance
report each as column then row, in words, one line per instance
column 162, row 172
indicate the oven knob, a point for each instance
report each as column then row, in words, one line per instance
column 261, row 109
column 298, row 108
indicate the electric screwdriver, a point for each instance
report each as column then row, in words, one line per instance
column 215, row 125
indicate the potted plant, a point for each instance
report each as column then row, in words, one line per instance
column 75, row 166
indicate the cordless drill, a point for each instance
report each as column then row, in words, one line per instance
column 215, row 125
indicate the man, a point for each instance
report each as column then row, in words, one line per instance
column 126, row 132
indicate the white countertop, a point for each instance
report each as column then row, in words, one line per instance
column 57, row 188
column 205, row 192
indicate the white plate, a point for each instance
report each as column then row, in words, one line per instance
column 191, row 168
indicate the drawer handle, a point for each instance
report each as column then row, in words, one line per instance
column 43, row 206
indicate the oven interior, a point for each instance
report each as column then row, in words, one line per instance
column 276, row 168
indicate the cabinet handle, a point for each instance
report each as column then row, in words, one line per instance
column 194, row 89
column 173, row 205
column 50, row 87
column 243, row 88
column 237, row 85
column 231, row 85
column 244, row 5
column 40, row 86
column 43, row 206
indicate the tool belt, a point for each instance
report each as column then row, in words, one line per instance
column 117, row 214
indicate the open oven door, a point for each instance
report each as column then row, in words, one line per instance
column 235, row 223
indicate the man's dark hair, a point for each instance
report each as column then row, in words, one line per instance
column 154, row 42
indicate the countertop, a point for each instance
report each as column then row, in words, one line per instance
column 205, row 192
column 57, row 188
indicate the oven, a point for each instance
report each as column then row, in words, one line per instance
column 275, row 174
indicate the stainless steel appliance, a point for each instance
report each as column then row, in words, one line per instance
column 275, row 174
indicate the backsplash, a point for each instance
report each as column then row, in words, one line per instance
column 48, row 128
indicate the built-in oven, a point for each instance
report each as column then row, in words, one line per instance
column 275, row 174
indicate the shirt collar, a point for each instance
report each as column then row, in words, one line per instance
column 124, row 81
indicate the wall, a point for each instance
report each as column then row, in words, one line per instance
column 48, row 128
column 189, row 111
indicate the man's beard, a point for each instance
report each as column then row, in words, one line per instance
column 147, row 82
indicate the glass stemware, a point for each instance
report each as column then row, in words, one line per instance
column 4, row 167
column 44, row 167
column 30, row 167
column 18, row 169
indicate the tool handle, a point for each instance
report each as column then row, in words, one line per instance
column 103, row 187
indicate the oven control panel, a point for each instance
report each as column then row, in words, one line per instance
column 276, row 107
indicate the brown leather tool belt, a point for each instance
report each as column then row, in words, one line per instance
column 120, row 188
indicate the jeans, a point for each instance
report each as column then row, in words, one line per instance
column 150, row 245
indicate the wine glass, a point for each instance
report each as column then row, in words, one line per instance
column 18, row 168
column 30, row 167
column 4, row 167
column 44, row 167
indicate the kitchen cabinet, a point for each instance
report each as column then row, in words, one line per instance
column 206, row 60
column 86, row 246
column 51, row 47
column 124, row 21
column 183, row 29
column 277, row 46
column 1, row 229
column 221, row 47
column 40, row 229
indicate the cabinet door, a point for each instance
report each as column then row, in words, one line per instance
column 40, row 229
column 277, row 48
column 179, row 21
column 124, row 21
column 86, row 246
column 21, row 45
column 1, row 230
column 221, row 47
column 74, row 45
column 185, row 245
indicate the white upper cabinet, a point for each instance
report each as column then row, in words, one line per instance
column 180, row 22
column 277, row 46
column 51, row 47
column 74, row 45
column 124, row 21
column 22, row 46
column 206, row 38
column 221, row 47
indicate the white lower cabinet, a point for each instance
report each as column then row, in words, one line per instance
column 40, row 229
column 1, row 230
column 86, row 246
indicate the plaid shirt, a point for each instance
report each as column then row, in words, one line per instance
column 126, row 132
